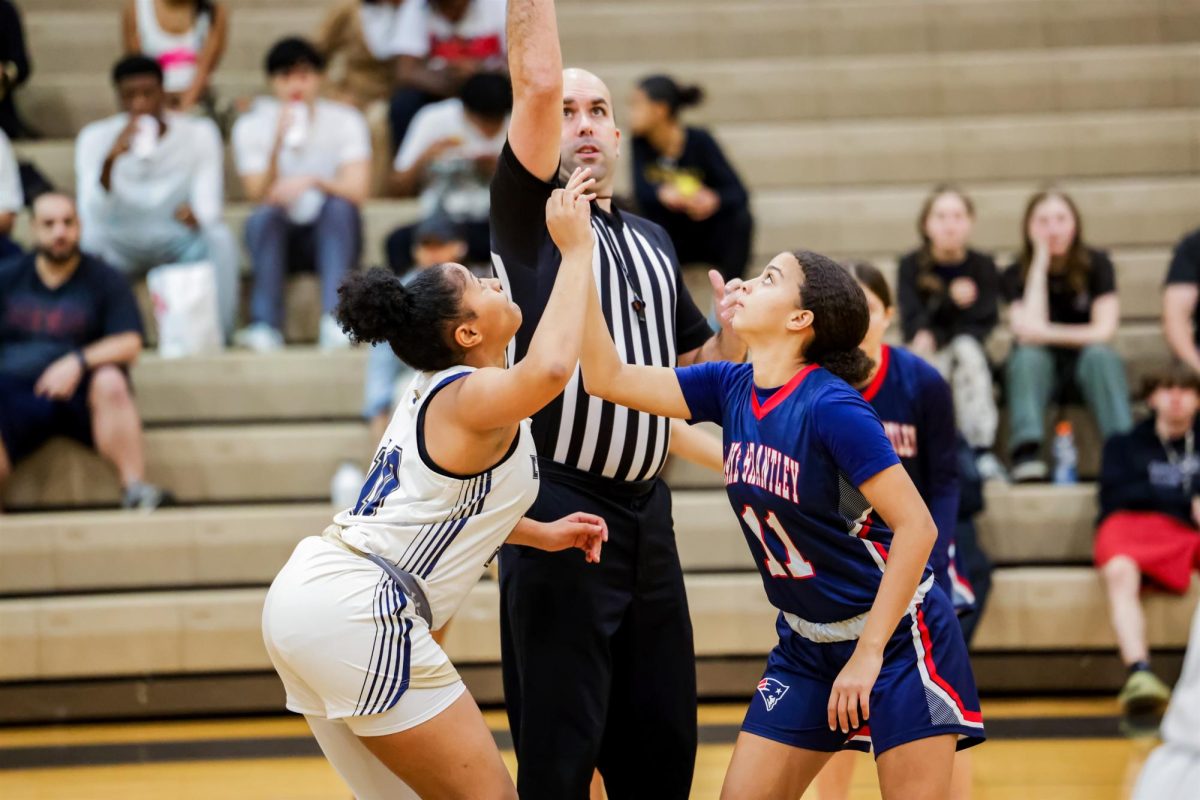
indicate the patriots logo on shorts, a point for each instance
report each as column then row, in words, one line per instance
column 772, row 691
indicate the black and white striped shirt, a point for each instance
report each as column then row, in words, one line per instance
column 635, row 267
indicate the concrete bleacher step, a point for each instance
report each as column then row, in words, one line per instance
column 773, row 89
column 298, row 383
column 240, row 463
column 84, row 39
column 229, row 545
column 1115, row 212
column 781, row 155
column 213, row 631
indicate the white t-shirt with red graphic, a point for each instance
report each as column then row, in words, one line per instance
column 478, row 36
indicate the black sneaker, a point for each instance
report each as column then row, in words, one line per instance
column 145, row 497
column 1027, row 464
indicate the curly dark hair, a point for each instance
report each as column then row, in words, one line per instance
column 416, row 319
column 840, row 317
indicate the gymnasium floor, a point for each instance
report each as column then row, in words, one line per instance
column 1054, row 749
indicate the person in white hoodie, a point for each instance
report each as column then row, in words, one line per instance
column 150, row 185
column 306, row 163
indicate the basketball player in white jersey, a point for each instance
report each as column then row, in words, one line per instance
column 1173, row 770
column 348, row 620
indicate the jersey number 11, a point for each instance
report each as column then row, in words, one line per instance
column 797, row 566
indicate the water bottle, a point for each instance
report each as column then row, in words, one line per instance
column 1066, row 457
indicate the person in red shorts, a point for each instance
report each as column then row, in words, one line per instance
column 1149, row 518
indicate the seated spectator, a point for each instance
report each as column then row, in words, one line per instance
column 359, row 40
column 11, row 198
column 949, row 304
column 1181, row 313
column 448, row 157
column 14, row 70
column 306, row 163
column 684, row 182
column 186, row 37
column 151, row 186
column 1064, row 315
column 441, row 44
column 69, row 330
column 1149, row 513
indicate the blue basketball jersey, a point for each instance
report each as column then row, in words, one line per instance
column 917, row 410
column 794, row 459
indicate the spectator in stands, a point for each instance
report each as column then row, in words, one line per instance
column 1181, row 313
column 11, row 198
column 684, row 182
column 448, row 157
column 1064, row 314
column 69, row 330
column 359, row 39
column 14, row 69
column 441, row 44
column 306, row 162
column 1149, row 514
column 949, row 304
column 151, row 186
column 186, row 37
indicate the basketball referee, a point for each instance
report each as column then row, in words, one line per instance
column 599, row 668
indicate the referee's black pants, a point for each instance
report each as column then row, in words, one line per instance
column 599, row 668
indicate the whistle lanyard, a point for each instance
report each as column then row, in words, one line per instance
column 1187, row 464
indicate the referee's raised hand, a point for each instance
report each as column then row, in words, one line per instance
column 569, row 215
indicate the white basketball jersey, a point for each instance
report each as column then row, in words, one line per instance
column 443, row 529
column 1181, row 726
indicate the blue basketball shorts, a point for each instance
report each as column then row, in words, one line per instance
column 925, row 687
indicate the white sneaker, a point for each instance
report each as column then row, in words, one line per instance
column 346, row 485
column 990, row 468
column 331, row 336
column 259, row 337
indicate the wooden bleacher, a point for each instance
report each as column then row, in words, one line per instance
column 840, row 114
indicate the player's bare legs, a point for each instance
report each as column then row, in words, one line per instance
column 116, row 426
column 765, row 770
column 918, row 770
column 834, row 781
column 451, row 757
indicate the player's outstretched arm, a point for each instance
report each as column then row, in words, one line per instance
column 585, row 532
column 893, row 495
column 654, row 390
column 496, row 398
column 535, row 64
column 697, row 446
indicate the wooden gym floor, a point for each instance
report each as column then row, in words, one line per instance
column 1060, row 749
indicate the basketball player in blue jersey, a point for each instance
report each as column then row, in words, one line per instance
column 347, row 622
column 869, row 648
column 915, row 404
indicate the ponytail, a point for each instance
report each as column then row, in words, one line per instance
column 840, row 317
column 416, row 320
column 663, row 89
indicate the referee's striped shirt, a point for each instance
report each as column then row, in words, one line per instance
column 650, row 314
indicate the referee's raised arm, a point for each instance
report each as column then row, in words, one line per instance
column 536, row 66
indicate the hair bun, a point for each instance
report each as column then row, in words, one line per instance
column 373, row 305
column 690, row 96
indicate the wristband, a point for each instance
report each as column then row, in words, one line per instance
column 82, row 360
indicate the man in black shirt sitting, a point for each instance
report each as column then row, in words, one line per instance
column 69, row 329
column 599, row 669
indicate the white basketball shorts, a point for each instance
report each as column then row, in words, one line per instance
column 348, row 646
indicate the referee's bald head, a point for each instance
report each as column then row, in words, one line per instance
column 590, row 137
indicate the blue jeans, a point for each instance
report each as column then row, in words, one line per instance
column 384, row 371
column 331, row 245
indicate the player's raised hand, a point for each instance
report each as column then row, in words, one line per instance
column 850, row 700
column 569, row 215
